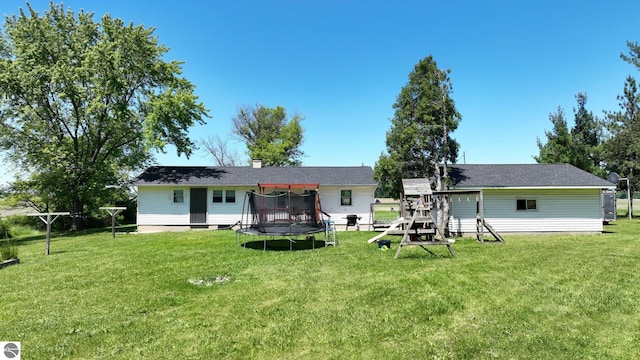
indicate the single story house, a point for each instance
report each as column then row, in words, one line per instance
column 185, row 197
column 528, row 198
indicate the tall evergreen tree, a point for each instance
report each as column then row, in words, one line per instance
column 419, row 143
column 559, row 143
column 622, row 148
column 633, row 57
column 621, row 151
column 587, row 138
column 580, row 146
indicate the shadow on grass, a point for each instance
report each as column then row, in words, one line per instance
column 609, row 227
column 284, row 244
column 424, row 253
column 421, row 252
column 103, row 230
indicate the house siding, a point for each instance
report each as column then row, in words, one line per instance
column 361, row 197
column 156, row 206
column 226, row 214
column 557, row 210
column 158, row 212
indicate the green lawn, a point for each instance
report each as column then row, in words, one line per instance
column 622, row 207
column 132, row 297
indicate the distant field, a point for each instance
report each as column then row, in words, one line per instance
column 11, row 211
column 622, row 206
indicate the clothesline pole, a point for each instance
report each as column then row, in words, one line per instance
column 113, row 211
column 48, row 219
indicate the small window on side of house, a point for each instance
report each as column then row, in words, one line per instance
column 345, row 197
column 217, row 196
column 178, row 196
column 230, row 196
column 526, row 204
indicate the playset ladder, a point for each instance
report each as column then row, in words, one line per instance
column 412, row 236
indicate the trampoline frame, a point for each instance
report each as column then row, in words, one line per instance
column 285, row 222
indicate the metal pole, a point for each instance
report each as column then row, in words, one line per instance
column 48, row 234
column 629, row 204
column 113, row 224
column 629, row 199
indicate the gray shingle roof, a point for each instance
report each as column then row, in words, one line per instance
column 249, row 176
column 523, row 175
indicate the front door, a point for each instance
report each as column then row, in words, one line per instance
column 198, row 205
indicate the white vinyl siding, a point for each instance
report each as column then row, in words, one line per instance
column 557, row 210
column 226, row 213
column 156, row 206
column 361, row 199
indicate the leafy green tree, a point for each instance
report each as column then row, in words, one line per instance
column 386, row 171
column 419, row 143
column 84, row 102
column 270, row 135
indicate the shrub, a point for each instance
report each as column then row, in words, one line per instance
column 8, row 248
column 24, row 221
column 5, row 233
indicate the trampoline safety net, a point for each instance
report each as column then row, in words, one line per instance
column 284, row 213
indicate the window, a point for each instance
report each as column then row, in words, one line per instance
column 230, row 196
column 217, row 196
column 345, row 197
column 178, row 196
column 526, row 204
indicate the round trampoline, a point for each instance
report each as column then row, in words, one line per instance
column 282, row 214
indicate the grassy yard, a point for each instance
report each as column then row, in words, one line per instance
column 622, row 207
column 535, row 297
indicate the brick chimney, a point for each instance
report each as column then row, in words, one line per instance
column 257, row 164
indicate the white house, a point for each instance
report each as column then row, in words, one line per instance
column 185, row 197
column 529, row 198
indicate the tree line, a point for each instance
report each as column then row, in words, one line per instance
column 600, row 145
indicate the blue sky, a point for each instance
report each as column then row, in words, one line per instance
column 341, row 64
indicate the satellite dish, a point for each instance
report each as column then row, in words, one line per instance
column 613, row 178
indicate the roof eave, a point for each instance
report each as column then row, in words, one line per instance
column 535, row 187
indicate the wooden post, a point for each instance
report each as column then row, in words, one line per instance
column 113, row 211
column 481, row 213
column 48, row 220
column 48, row 241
